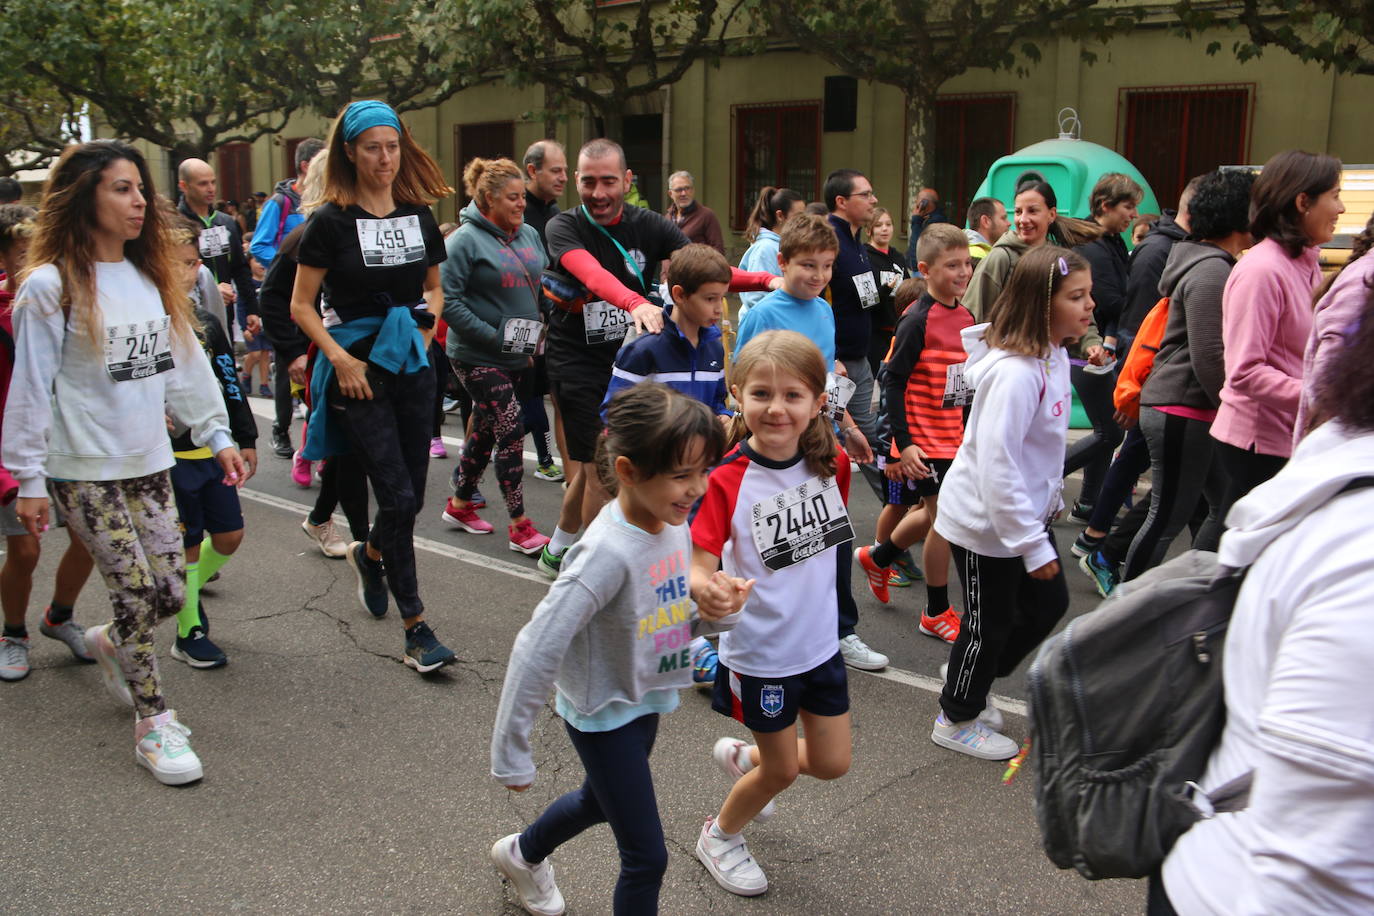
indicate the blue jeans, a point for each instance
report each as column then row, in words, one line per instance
column 619, row 790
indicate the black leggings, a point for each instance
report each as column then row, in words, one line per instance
column 390, row 436
column 343, row 485
column 1245, row 469
column 1093, row 453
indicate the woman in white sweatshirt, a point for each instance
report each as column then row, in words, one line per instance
column 105, row 352
column 1003, row 489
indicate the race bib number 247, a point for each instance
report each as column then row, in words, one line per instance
column 135, row 351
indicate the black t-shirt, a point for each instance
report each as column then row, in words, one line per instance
column 371, row 263
column 648, row 237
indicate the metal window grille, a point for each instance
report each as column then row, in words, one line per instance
column 776, row 145
column 1172, row 133
column 488, row 140
column 971, row 133
column 235, row 171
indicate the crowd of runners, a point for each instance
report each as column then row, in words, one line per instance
column 708, row 454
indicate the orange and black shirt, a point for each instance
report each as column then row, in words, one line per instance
column 924, row 396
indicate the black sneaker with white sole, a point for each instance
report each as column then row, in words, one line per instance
column 196, row 650
column 371, row 579
column 424, row 652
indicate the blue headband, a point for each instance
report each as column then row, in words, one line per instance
column 359, row 116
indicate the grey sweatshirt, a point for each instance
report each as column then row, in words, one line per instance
column 615, row 625
column 1189, row 369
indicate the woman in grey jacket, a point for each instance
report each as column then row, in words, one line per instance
column 491, row 304
column 1181, row 396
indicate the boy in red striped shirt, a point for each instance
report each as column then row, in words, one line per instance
column 925, row 396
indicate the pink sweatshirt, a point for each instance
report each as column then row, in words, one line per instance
column 1335, row 319
column 1266, row 317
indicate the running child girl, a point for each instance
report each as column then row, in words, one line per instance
column 775, row 513
column 106, row 349
column 612, row 636
column 1004, row 488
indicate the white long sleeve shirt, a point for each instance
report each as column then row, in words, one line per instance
column 81, row 412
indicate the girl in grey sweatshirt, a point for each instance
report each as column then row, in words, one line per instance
column 612, row 637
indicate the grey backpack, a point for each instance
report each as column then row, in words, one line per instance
column 1126, row 706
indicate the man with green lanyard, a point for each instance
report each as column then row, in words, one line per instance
column 603, row 257
column 221, row 242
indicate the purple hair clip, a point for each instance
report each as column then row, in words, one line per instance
column 1063, row 267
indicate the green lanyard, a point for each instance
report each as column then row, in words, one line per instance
column 629, row 261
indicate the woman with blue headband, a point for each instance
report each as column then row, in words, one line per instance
column 374, row 248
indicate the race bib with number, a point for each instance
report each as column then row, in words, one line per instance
column 604, row 322
column 889, row 278
column 391, row 242
column 868, row 289
column 134, row 351
column 840, row 390
column 957, row 391
column 214, row 242
column 800, row 522
column 520, row 335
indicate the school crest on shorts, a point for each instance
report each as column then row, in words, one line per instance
column 770, row 700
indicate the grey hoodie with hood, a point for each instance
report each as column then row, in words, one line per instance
column 489, row 278
column 1189, row 370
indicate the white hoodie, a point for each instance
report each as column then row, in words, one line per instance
column 66, row 418
column 1008, row 476
column 1296, row 673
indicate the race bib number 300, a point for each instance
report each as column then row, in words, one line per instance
column 520, row 335
column 391, row 242
column 604, row 322
column 134, row 351
column 799, row 523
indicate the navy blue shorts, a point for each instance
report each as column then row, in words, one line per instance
column 910, row 492
column 770, row 704
column 204, row 501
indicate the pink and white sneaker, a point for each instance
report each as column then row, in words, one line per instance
column 300, row 471
column 465, row 519
column 525, row 539
column 436, row 448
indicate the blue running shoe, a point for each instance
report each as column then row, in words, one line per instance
column 907, row 566
column 1098, row 568
column 424, row 652
column 371, row 581
column 705, row 662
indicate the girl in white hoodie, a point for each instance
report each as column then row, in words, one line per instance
column 105, row 354
column 1003, row 489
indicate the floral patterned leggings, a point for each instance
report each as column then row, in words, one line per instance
column 496, row 424
column 133, row 532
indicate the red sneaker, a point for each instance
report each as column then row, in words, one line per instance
column 877, row 575
column 465, row 519
column 525, row 539
column 942, row 626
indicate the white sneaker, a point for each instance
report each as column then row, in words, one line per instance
column 991, row 716
column 162, row 748
column 973, row 738
column 729, row 863
column 533, row 883
column 327, row 536
column 726, row 755
column 857, row 654
column 111, row 671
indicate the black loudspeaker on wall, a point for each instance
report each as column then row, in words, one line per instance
column 841, row 103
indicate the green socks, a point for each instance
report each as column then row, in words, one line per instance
column 210, row 560
column 189, row 615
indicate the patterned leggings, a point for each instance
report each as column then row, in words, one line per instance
column 133, row 532
column 496, row 423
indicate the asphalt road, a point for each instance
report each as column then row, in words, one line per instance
column 338, row 781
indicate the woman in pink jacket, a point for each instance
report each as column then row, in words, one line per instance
column 1266, row 316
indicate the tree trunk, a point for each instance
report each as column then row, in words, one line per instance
column 920, row 141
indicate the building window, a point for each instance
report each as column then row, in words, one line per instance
column 235, row 171
column 1172, row 133
column 776, row 145
column 971, row 133
column 489, row 140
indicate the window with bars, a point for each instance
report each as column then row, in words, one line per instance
column 1172, row 133
column 971, row 133
column 489, row 140
column 235, row 171
column 778, row 145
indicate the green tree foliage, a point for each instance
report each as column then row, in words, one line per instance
column 918, row 45
column 36, row 122
column 584, row 53
column 1333, row 33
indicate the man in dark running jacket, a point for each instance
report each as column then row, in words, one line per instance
column 221, row 241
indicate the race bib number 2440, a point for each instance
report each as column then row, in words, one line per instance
column 800, row 522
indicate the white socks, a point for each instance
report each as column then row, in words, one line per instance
column 561, row 541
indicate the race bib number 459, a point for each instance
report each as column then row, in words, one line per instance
column 800, row 522
column 391, row 242
column 134, row 351
column 604, row 322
